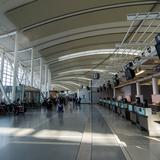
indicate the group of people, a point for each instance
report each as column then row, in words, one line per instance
column 48, row 103
column 77, row 101
column 60, row 102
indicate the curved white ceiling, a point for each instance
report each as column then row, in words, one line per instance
column 76, row 38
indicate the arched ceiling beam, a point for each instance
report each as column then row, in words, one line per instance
column 73, row 78
column 55, row 85
column 81, row 12
column 68, row 79
column 94, row 52
column 65, row 86
column 68, row 82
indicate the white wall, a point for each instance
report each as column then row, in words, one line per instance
column 95, row 95
column 86, row 95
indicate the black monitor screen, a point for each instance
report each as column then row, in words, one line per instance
column 96, row 76
column 157, row 46
column 157, row 38
column 130, row 74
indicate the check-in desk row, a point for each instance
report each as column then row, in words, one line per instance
column 116, row 106
column 140, row 116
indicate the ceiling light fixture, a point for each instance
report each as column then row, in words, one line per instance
column 60, row 86
column 8, row 34
column 98, row 52
column 140, row 72
column 69, row 82
column 82, row 70
column 143, row 16
column 112, row 73
column 83, row 78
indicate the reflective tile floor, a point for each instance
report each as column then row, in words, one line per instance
column 84, row 132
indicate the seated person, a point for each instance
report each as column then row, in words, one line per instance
column 145, row 104
column 18, row 101
column 138, row 102
column 125, row 100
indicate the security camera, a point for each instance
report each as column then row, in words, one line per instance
column 149, row 49
column 142, row 54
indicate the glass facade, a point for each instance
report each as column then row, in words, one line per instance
column 23, row 76
column 7, row 74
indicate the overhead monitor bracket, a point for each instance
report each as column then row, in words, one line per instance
column 8, row 35
column 143, row 16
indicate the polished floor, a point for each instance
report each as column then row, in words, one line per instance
column 80, row 133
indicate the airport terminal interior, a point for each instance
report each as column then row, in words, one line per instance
column 79, row 79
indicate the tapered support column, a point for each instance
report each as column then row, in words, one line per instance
column 46, row 79
column 78, row 93
column 2, row 66
column 32, row 68
column 114, row 92
column 15, row 68
column 49, row 82
column 155, row 86
column 155, row 95
column 40, row 74
column 138, row 89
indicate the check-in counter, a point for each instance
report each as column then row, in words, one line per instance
column 113, row 105
column 116, row 106
column 124, row 111
column 137, row 115
column 123, row 107
column 132, row 113
column 109, row 104
column 102, row 102
column 119, row 108
column 149, row 121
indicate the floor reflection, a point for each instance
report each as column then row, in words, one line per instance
column 49, row 114
column 60, row 118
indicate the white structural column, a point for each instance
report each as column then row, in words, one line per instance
column 40, row 75
column 138, row 89
column 77, row 92
column 15, row 68
column 46, row 78
column 25, row 76
column 114, row 92
column 155, row 86
column 2, row 65
column 32, row 68
column 49, row 81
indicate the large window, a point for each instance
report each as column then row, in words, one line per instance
column 7, row 74
column 0, row 63
column 23, row 74
column 36, row 79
